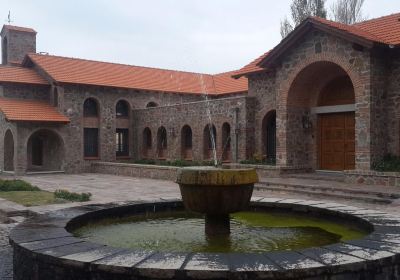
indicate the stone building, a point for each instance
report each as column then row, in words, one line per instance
column 326, row 97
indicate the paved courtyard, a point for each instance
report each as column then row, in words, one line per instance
column 108, row 188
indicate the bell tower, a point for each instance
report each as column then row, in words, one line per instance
column 16, row 42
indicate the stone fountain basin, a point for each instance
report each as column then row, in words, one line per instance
column 45, row 249
column 216, row 191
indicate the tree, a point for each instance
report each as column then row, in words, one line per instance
column 347, row 11
column 300, row 10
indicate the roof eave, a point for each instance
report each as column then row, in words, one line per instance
column 303, row 28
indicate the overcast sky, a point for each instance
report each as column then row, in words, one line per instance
column 209, row 36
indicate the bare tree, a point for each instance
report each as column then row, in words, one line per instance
column 286, row 27
column 347, row 11
column 300, row 10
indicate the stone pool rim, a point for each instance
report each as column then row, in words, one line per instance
column 42, row 246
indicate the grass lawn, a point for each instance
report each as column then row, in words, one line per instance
column 31, row 198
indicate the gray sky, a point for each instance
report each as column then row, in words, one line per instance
column 209, row 36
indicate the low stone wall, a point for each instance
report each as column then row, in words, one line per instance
column 372, row 178
column 170, row 172
column 136, row 170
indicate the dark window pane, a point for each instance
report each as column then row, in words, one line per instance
column 122, row 109
column 122, row 142
column 91, row 142
column 90, row 108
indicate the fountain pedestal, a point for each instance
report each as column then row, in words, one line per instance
column 216, row 192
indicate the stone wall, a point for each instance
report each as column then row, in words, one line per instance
column 24, row 91
column 16, row 44
column 392, row 108
column 233, row 111
column 273, row 89
column 135, row 170
column 375, row 178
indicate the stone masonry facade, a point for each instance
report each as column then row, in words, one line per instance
column 290, row 90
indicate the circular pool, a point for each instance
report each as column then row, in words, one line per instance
column 329, row 241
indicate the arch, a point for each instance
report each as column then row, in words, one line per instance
column 122, row 109
column 8, row 151
column 284, row 155
column 147, row 142
column 226, row 142
column 269, row 135
column 310, row 142
column 122, row 132
column 151, row 104
column 162, row 143
column 45, row 151
column 91, row 108
column 209, row 141
column 186, row 142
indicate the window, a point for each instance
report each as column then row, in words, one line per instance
column 91, row 142
column 162, row 138
column 147, row 138
column 187, row 137
column 151, row 105
column 90, row 108
column 122, row 109
column 55, row 97
column 122, row 142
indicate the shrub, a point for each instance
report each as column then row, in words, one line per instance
column 72, row 196
column 16, row 185
column 389, row 163
column 270, row 161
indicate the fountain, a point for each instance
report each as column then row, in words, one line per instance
column 216, row 192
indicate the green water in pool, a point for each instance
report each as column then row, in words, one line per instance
column 251, row 232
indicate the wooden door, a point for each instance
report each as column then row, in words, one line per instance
column 337, row 141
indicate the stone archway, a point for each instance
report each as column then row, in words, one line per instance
column 320, row 119
column 360, row 83
column 45, row 151
column 269, row 135
column 8, row 151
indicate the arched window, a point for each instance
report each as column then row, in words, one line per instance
column 91, row 128
column 210, row 141
column 151, row 105
column 226, row 142
column 90, row 108
column 186, row 142
column 8, row 151
column 122, row 109
column 269, row 135
column 162, row 143
column 147, row 142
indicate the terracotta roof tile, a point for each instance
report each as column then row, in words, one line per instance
column 16, row 74
column 351, row 29
column 30, row 110
column 387, row 28
column 88, row 72
column 384, row 30
column 252, row 67
column 224, row 84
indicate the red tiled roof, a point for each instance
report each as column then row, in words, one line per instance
column 383, row 30
column 16, row 74
column 18, row 28
column 30, row 110
column 252, row 67
column 387, row 28
column 224, row 84
column 88, row 72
